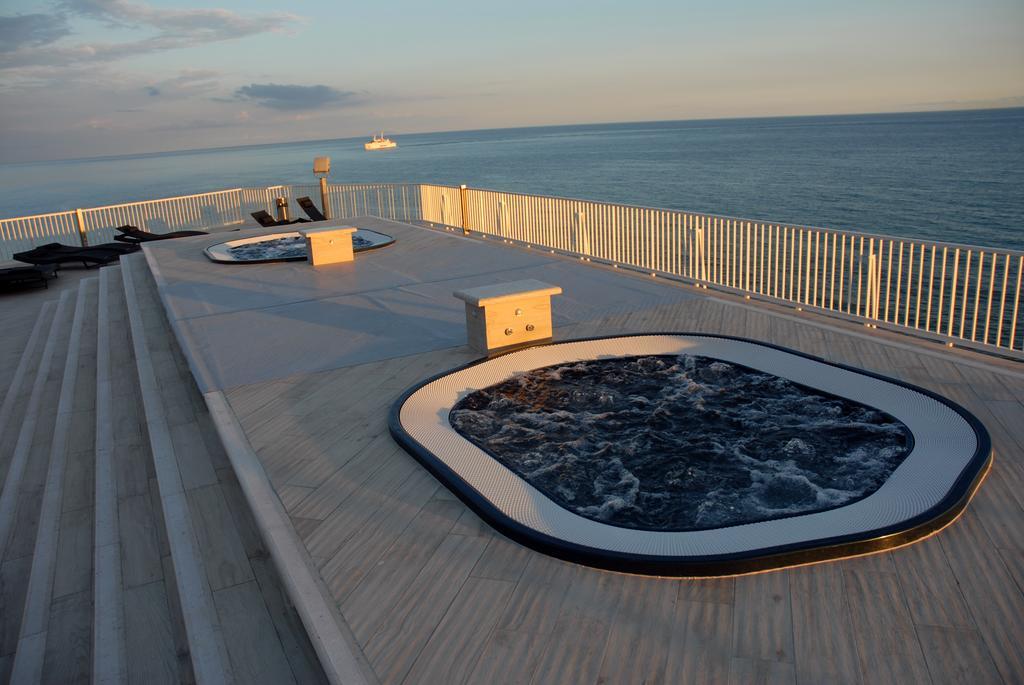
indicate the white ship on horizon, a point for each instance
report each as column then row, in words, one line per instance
column 380, row 143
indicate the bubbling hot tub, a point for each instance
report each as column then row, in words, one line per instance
column 693, row 455
column 284, row 247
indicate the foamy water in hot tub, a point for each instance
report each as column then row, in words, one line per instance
column 677, row 443
column 288, row 247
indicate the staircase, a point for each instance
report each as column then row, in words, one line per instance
column 128, row 553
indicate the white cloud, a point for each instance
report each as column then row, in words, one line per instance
column 28, row 40
column 294, row 97
column 21, row 30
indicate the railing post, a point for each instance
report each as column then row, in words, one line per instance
column 873, row 286
column 582, row 237
column 80, row 220
column 325, row 200
column 464, row 199
column 698, row 243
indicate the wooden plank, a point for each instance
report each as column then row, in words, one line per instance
column 178, row 630
column 73, row 573
column 508, row 658
column 371, row 550
column 214, row 448
column 823, row 641
column 219, row 543
column 253, row 646
column 248, row 532
column 26, row 520
column 357, row 510
column 536, row 603
column 13, row 583
column 1014, row 561
column 996, row 507
column 635, row 652
column 290, row 631
column 342, row 483
column 193, row 459
column 68, row 657
column 304, row 527
column 140, row 548
column 576, row 646
column 957, row 655
column 20, row 382
column 760, row 672
column 887, row 643
column 451, row 653
column 78, row 478
column 397, row 642
column 763, row 619
column 292, row 495
column 988, row 385
column 149, row 636
column 719, row 590
column 502, row 560
column 130, row 468
column 700, row 646
column 995, row 602
column 932, row 594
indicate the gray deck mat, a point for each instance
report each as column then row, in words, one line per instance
column 241, row 324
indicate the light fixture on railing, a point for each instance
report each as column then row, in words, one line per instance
column 322, row 168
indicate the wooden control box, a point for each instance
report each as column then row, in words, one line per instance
column 508, row 315
column 329, row 245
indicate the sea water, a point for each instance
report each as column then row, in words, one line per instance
column 950, row 176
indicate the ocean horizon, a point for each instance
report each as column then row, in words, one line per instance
column 955, row 176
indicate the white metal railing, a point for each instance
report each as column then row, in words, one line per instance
column 96, row 224
column 215, row 209
column 957, row 293
column 24, row 233
column 400, row 201
column 187, row 212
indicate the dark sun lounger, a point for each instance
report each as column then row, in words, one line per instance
column 57, row 254
column 132, row 234
column 27, row 275
column 266, row 221
column 311, row 209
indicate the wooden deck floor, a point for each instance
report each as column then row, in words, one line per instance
column 433, row 595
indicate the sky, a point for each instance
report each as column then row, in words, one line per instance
column 82, row 78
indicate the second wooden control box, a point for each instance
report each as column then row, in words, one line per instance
column 507, row 315
column 329, row 245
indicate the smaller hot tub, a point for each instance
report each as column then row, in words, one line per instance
column 693, row 455
column 285, row 247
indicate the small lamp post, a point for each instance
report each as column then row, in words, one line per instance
column 321, row 168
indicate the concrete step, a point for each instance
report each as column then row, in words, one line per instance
column 138, row 634
column 21, row 495
column 54, row 641
column 12, row 411
column 129, row 551
column 207, row 649
column 263, row 637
